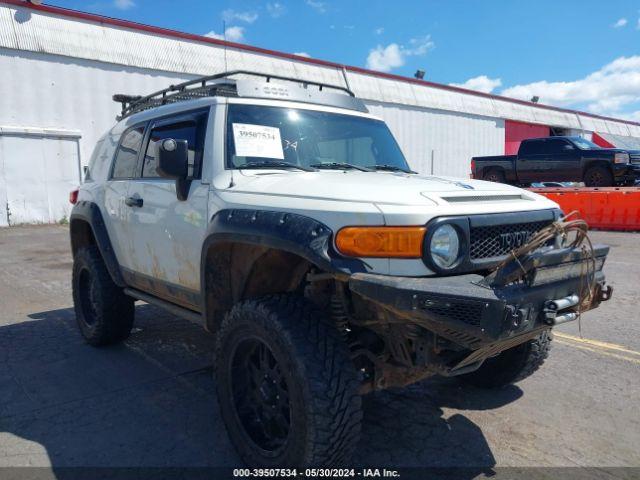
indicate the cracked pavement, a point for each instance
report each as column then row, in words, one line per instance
column 151, row 401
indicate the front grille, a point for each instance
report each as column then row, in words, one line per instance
column 490, row 242
column 634, row 158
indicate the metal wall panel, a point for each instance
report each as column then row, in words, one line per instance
column 73, row 94
column 37, row 31
column 452, row 138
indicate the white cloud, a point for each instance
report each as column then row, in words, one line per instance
column 379, row 30
column 231, row 16
column 385, row 59
column 317, row 5
column 613, row 90
column 232, row 34
column 620, row 23
column 481, row 83
column 124, row 4
column 276, row 9
column 302, row 54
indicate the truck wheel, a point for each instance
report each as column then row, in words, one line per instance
column 512, row 365
column 598, row 177
column 103, row 312
column 494, row 176
column 287, row 388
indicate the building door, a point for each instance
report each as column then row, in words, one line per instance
column 38, row 169
column 515, row 132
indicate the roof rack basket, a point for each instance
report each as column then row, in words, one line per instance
column 209, row 86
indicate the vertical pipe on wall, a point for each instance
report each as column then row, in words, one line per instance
column 432, row 154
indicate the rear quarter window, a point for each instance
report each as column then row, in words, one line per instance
column 126, row 159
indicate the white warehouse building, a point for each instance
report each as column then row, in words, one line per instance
column 60, row 69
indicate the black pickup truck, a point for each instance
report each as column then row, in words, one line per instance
column 560, row 159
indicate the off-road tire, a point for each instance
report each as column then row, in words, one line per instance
column 512, row 365
column 494, row 175
column 322, row 384
column 598, row 177
column 103, row 312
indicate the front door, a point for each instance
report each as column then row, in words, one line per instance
column 563, row 161
column 167, row 232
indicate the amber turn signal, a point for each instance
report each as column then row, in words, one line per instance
column 381, row 242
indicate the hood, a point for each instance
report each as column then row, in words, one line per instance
column 381, row 188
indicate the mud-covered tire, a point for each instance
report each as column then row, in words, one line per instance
column 316, row 375
column 598, row 177
column 512, row 365
column 103, row 312
column 494, row 175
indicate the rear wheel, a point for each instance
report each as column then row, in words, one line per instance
column 287, row 388
column 103, row 312
column 598, row 177
column 512, row 365
column 494, row 175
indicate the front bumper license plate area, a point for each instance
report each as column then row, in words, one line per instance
column 470, row 312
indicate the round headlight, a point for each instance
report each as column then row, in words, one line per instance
column 445, row 246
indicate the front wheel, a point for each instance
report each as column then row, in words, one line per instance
column 287, row 388
column 598, row 177
column 512, row 365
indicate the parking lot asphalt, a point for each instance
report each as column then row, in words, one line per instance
column 151, row 401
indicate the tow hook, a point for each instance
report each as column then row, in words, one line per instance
column 553, row 310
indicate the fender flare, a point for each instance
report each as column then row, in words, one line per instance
column 289, row 232
column 90, row 213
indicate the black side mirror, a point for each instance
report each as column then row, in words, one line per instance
column 172, row 158
column 172, row 161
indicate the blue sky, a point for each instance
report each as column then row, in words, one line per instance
column 576, row 54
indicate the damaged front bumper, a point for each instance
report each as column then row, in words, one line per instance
column 491, row 313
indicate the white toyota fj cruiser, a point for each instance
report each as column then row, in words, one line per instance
column 285, row 218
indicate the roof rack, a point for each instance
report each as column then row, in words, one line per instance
column 213, row 85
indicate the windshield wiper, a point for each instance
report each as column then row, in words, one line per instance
column 391, row 168
column 272, row 164
column 340, row 166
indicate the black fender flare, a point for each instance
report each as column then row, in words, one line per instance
column 289, row 232
column 90, row 213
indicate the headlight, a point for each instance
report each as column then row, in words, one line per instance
column 445, row 246
column 621, row 158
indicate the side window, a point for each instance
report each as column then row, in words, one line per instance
column 555, row 146
column 191, row 130
column 532, row 147
column 127, row 155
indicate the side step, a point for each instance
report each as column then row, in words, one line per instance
column 168, row 306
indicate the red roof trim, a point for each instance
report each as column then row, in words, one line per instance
column 199, row 38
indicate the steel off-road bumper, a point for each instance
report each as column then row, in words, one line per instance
column 489, row 313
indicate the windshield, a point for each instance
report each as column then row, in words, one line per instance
column 583, row 144
column 307, row 138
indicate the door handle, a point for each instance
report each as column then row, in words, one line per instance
column 134, row 201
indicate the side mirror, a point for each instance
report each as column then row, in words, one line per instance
column 172, row 158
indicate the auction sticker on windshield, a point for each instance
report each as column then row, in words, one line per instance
column 257, row 141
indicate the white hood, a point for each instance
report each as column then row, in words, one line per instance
column 379, row 188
